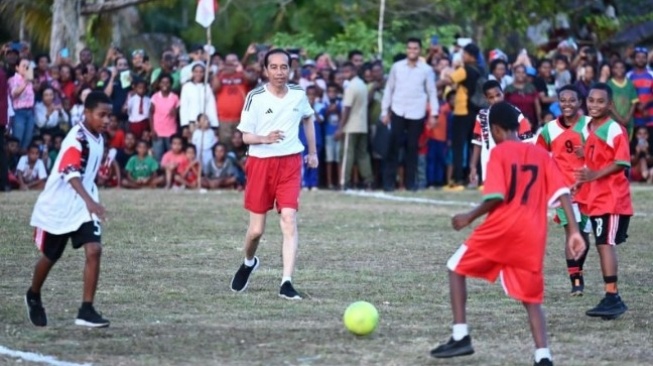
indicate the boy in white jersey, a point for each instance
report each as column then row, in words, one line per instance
column 482, row 138
column 69, row 208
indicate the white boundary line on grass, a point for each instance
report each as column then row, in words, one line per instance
column 390, row 197
column 37, row 357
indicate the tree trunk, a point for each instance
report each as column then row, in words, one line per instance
column 58, row 33
column 108, row 5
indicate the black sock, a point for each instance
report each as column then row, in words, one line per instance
column 33, row 295
column 581, row 260
column 87, row 305
column 610, row 285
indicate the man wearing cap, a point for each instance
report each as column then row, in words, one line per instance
column 464, row 112
column 141, row 64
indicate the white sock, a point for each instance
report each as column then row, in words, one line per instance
column 250, row 262
column 285, row 278
column 541, row 353
column 459, row 331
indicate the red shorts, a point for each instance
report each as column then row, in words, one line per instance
column 518, row 283
column 273, row 180
column 137, row 128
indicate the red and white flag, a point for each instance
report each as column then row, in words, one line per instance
column 206, row 10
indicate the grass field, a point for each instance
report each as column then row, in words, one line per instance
column 169, row 257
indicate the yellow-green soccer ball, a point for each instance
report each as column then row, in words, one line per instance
column 361, row 318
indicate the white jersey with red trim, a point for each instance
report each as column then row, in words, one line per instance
column 59, row 209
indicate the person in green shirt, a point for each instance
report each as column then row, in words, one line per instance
column 167, row 67
column 141, row 169
column 625, row 97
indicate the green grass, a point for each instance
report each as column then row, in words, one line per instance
column 168, row 260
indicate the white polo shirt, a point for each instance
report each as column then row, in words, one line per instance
column 264, row 112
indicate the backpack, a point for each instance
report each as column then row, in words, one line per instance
column 477, row 99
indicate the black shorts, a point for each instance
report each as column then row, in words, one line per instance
column 610, row 229
column 52, row 246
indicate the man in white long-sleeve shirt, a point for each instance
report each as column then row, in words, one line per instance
column 409, row 90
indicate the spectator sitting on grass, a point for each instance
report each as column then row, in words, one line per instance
column 221, row 172
column 141, row 169
column 642, row 157
column 109, row 174
column 174, row 162
column 192, row 172
column 31, row 172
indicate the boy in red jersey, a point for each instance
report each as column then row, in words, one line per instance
column 523, row 181
column 562, row 137
column 609, row 206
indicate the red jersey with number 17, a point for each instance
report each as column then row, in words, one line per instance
column 607, row 144
column 527, row 180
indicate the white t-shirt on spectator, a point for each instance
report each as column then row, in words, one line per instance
column 59, row 209
column 31, row 174
column 264, row 112
column 204, row 141
column 134, row 110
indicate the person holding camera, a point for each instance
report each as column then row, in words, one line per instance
column 21, row 91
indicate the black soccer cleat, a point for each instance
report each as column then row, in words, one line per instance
column 88, row 317
column 611, row 307
column 241, row 279
column 454, row 348
column 288, row 292
column 544, row 362
column 577, row 285
column 35, row 310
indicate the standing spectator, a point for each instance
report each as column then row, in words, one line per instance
column 354, row 124
column 167, row 67
column 230, row 85
column 197, row 98
column 50, row 117
column 67, row 84
column 118, row 87
column 464, row 112
column 331, row 113
column 141, row 65
column 585, row 81
column 186, row 73
column 499, row 72
column 357, row 59
column 22, row 97
column 525, row 97
column 642, row 78
column 310, row 176
column 625, row 97
column 545, row 84
column 410, row 86
column 375, row 89
column 138, row 109
column 85, row 57
column 436, row 159
column 4, row 122
column 42, row 73
column 163, row 116
column 77, row 112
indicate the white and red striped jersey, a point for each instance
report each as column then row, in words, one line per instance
column 59, row 209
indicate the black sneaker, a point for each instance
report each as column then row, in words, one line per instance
column 610, row 307
column 88, row 317
column 288, row 292
column 544, row 362
column 577, row 285
column 453, row 348
column 35, row 310
column 241, row 278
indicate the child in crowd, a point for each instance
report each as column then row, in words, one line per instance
column 310, row 175
column 12, row 150
column 109, row 174
column 141, row 169
column 562, row 74
column 641, row 157
column 115, row 134
column 163, row 116
column 221, row 172
column 174, row 162
column 56, row 147
column 30, row 172
column 189, row 178
column 138, row 109
column 331, row 116
column 238, row 155
column 204, row 139
column 437, row 164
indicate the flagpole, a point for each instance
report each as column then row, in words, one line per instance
column 380, row 30
column 204, row 103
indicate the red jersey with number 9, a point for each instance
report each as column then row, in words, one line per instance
column 527, row 181
column 605, row 145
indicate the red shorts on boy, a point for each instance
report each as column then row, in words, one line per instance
column 274, row 180
column 518, row 283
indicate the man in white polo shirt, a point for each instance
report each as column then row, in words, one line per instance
column 270, row 126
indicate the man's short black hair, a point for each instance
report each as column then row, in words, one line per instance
column 147, row 144
column 33, row 146
column 602, row 86
column 348, row 64
column 504, row 115
column 497, row 62
column 563, row 58
column 96, row 98
column 472, row 50
column 491, row 84
column 165, row 75
column 353, row 53
column 177, row 137
column 569, row 87
column 275, row 51
column 191, row 146
column 415, row 40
